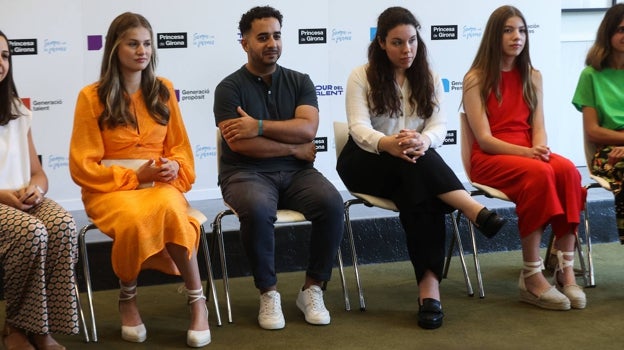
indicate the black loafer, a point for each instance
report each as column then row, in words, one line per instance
column 489, row 223
column 430, row 314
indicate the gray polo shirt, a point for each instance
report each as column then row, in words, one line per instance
column 289, row 89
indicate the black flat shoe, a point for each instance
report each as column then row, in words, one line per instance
column 430, row 314
column 489, row 223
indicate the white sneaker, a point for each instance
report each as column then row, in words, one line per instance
column 310, row 302
column 270, row 315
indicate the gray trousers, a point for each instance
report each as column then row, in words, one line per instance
column 256, row 197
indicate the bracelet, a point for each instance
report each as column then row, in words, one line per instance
column 260, row 127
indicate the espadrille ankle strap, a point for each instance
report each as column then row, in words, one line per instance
column 562, row 262
column 532, row 267
column 127, row 292
column 193, row 295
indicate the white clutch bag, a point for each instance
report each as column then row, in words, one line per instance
column 133, row 164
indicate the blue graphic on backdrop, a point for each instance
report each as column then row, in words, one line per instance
column 54, row 46
column 339, row 35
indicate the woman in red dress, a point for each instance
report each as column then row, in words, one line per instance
column 502, row 99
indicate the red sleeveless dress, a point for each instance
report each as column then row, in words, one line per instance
column 544, row 192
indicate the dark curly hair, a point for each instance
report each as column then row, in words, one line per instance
column 380, row 72
column 258, row 12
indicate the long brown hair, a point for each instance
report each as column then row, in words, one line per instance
column 601, row 51
column 489, row 58
column 380, row 72
column 9, row 99
column 111, row 86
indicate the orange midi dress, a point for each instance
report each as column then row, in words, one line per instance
column 140, row 221
column 544, row 192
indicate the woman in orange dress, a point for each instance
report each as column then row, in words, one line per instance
column 131, row 114
column 502, row 99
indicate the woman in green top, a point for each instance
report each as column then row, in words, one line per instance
column 600, row 97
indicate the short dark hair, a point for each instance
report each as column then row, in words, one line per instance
column 257, row 12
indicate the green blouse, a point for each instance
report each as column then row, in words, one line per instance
column 604, row 91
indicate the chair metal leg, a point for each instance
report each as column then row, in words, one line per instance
column 218, row 229
column 475, row 255
column 590, row 281
column 460, row 248
column 210, row 285
column 349, row 232
column 83, row 322
column 87, row 275
column 345, row 290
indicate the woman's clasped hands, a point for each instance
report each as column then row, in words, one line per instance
column 541, row 152
column 165, row 170
column 411, row 144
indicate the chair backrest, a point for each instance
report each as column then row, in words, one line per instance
column 341, row 135
column 467, row 139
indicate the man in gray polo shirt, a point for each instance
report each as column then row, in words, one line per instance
column 268, row 116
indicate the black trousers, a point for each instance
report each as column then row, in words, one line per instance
column 414, row 189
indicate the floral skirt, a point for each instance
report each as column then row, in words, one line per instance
column 613, row 173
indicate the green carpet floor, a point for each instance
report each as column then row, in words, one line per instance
column 499, row 321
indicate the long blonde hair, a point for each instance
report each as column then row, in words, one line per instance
column 111, row 86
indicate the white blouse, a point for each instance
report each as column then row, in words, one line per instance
column 14, row 156
column 367, row 129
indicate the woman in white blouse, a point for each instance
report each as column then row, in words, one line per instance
column 38, row 240
column 395, row 124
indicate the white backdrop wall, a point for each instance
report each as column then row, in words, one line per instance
column 69, row 35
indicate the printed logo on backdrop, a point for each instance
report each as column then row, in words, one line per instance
column 54, row 46
column 329, row 90
column 469, row 32
column 531, row 28
column 321, row 144
column 23, row 47
column 372, row 32
column 45, row 105
column 57, row 162
column 94, row 42
column 313, row 36
column 451, row 137
column 451, row 85
column 339, row 35
column 26, row 101
column 203, row 152
column 203, row 40
column 171, row 40
column 192, row 95
column 444, row 32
